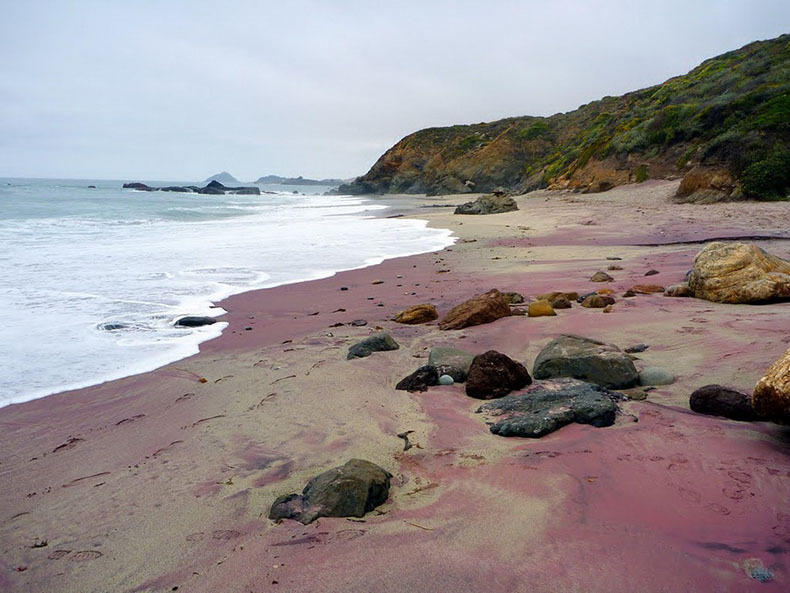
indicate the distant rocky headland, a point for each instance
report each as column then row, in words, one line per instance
column 212, row 188
column 724, row 128
column 277, row 180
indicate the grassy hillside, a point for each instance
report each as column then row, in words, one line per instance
column 728, row 120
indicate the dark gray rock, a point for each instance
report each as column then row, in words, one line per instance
column 379, row 342
column 587, row 360
column 176, row 188
column 420, row 380
column 549, row 405
column 715, row 400
column 349, row 490
column 637, row 348
column 493, row 374
column 451, row 361
column 514, row 298
column 195, row 321
column 493, row 204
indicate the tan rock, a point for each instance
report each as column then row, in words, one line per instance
column 540, row 309
column 417, row 314
column 606, row 291
column 597, row 301
column 483, row 308
column 601, row 277
column 705, row 185
column 607, row 309
column 551, row 296
column 771, row 398
column 678, row 290
column 646, row 288
column 739, row 273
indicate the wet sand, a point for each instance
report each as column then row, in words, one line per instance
column 163, row 481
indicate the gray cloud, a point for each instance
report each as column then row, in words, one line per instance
column 181, row 89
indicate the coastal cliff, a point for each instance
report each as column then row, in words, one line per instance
column 724, row 127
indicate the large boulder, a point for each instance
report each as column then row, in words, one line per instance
column 739, row 273
column 379, row 342
column 771, row 397
column 705, row 185
column 493, row 204
column 420, row 380
column 417, row 314
column 587, row 360
column 545, row 407
column 493, row 374
column 715, row 400
column 349, row 490
column 483, row 308
column 451, row 361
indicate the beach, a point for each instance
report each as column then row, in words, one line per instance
column 163, row 481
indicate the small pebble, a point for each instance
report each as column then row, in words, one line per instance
column 637, row 348
column 652, row 272
column 378, row 282
column 446, row 380
column 344, row 288
column 248, row 328
column 358, row 322
column 612, row 258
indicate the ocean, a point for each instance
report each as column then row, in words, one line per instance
column 94, row 278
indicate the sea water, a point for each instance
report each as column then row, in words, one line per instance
column 94, row 277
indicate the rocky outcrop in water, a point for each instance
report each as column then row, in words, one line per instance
column 212, row 188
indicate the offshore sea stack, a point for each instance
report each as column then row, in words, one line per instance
column 739, row 273
column 771, row 398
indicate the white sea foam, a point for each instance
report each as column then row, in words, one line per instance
column 76, row 260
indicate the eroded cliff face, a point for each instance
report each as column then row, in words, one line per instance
column 727, row 122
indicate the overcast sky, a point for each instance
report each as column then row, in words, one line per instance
column 182, row 89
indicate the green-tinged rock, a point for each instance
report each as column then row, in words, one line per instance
column 451, row 361
column 587, row 360
column 379, row 342
column 655, row 376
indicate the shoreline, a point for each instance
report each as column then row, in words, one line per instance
column 163, row 480
column 189, row 344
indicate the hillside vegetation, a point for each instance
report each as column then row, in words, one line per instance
column 725, row 126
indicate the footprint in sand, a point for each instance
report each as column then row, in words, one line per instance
column 741, row 477
column 689, row 494
column 733, row 492
column 717, row 508
column 58, row 554
column 195, row 537
column 85, row 555
column 225, row 534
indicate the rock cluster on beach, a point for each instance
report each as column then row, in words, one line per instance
column 214, row 188
column 495, row 203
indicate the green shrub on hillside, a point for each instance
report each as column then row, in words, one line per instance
column 769, row 178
